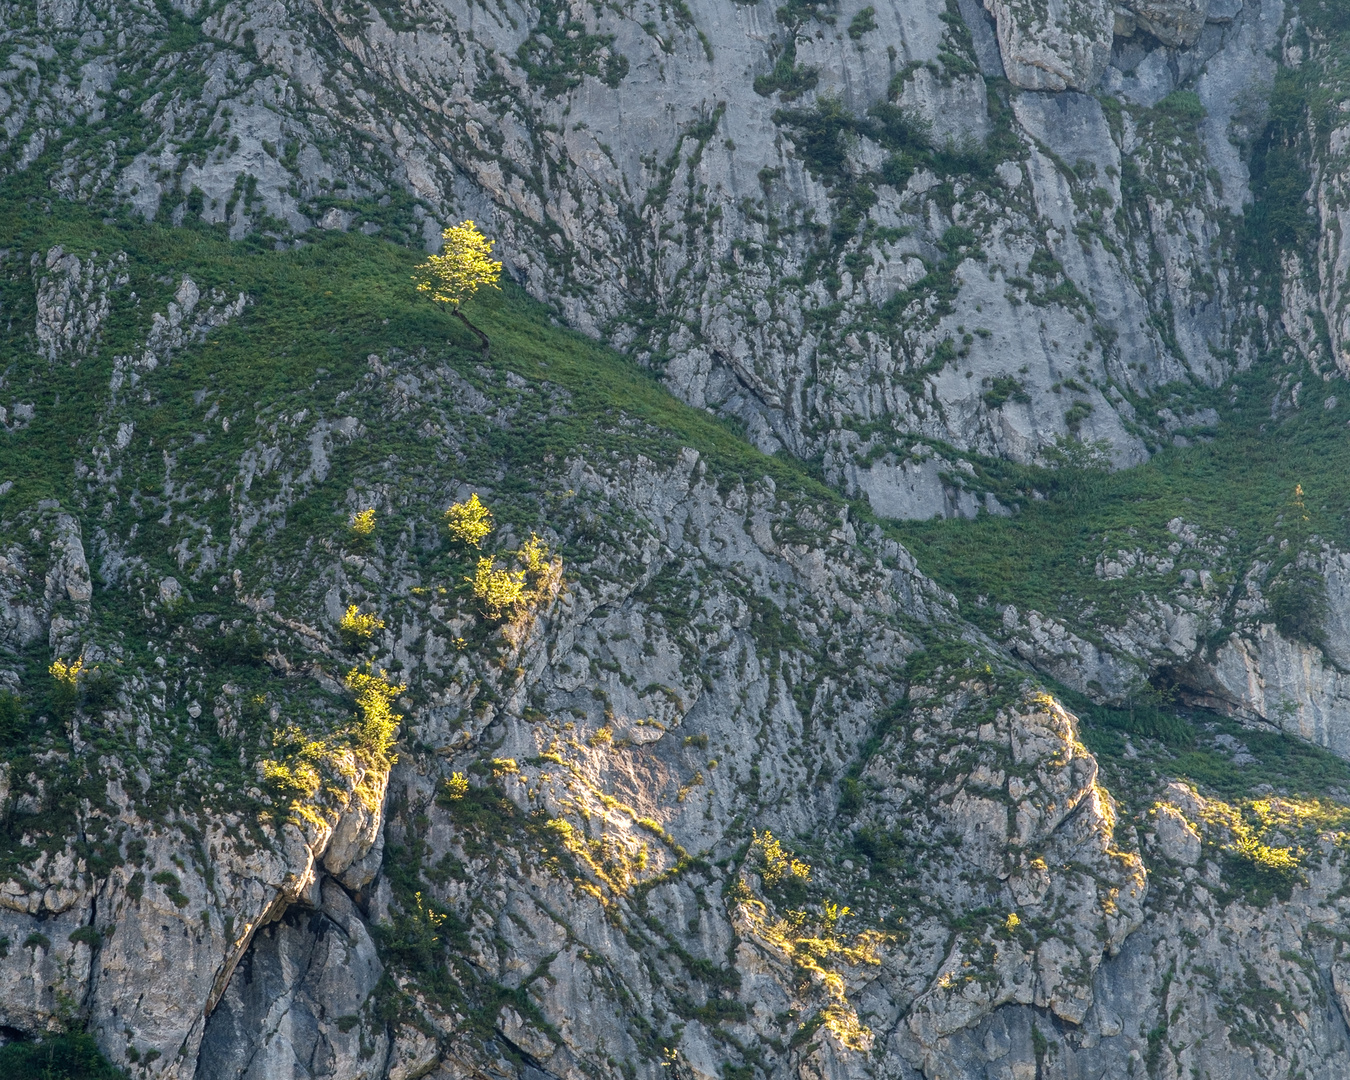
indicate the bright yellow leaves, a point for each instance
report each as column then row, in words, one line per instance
column 308, row 773
column 456, row 786
column 535, row 555
column 469, row 522
column 1271, row 835
column 501, row 591
column 506, row 592
column 778, row 863
column 362, row 523
column 377, row 722
column 357, row 628
column 296, row 775
column 67, row 674
column 1279, row 859
column 498, row 590
column 814, row 944
column 465, row 266
column 1289, row 813
column 613, row 861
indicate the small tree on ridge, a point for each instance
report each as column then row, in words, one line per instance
column 465, row 265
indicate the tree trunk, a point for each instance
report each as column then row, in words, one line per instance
column 481, row 336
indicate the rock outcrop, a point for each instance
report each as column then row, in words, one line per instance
column 579, row 846
column 1055, row 45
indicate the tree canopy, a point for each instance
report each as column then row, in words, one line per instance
column 465, row 265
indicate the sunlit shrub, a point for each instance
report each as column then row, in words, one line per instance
column 469, row 522
column 363, row 522
column 357, row 628
column 499, row 591
column 377, row 722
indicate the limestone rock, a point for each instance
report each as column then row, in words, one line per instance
column 370, row 107
column 1176, row 23
column 728, row 657
column 413, row 1054
column 1176, row 836
column 73, row 301
column 1054, row 44
column 294, row 1005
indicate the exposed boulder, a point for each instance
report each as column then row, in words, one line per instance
column 1054, row 44
column 1175, row 23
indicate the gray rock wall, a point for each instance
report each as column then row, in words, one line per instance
column 648, row 174
column 592, row 900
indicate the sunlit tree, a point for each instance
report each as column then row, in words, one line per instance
column 469, row 521
column 464, row 266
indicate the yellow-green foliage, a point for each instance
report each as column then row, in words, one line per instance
column 812, row 943
column 377, row 722
column 535, row 555
column 464, row 267
column 363, row 523
column 499, row 591
column 1263, row 855
column 469, row 521
column 429, row 917
column 612, row 861
column 297, row 778
column 541, row 567
column 356, row 627
column 1248, row 839
column 778, row 863
column 67, row 674
column 841, row 1021
column 293, row 782
column 295, row 774
column 456, row 786
column 502, row 593
column 1293, row 814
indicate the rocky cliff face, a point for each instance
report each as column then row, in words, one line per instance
column 743, row 792
column 847, row 227
column 745, row 796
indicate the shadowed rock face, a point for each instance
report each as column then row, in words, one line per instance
column 1175, row 24
column 1054, row 44
column 294, row 1004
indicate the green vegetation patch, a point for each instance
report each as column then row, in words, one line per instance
column 300, row 350
column 1243, row 487
column 61, row 1057
column 561, row 52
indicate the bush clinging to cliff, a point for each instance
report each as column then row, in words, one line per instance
column 377, row 722
column 469, row 522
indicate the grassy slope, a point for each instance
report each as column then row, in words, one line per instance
column 325, row 306
column 316, row 313
column 1241, row 484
